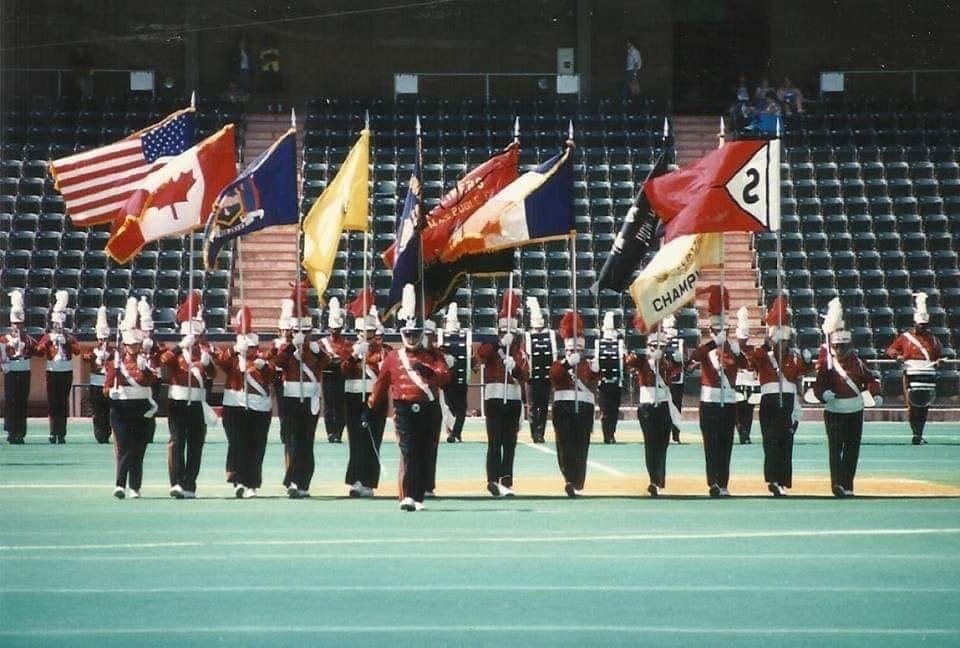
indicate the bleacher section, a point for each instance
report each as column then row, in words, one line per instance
column 43, row 253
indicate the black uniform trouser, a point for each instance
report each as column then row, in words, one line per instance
column 608, row 398
column 916, row 415
column 301, row 431
column 844, row 432
column 188, row 431
column 744, row 419
column 334, row 418
column 246, row 432
column 456, row 397
column 717, row 421
column 572, row 428
column 152, row 421
column 365, row 434
column 100, row 410
column 656, row 425
column 416, row 431
column 538, row 401
column 777, row 428
column 284, row 434
column 431, row 479
column 676, row 395
column 58, row 400
column 503, row 425
column 16, row 392
column 130, row 432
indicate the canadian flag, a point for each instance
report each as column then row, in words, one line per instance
column 175, row 199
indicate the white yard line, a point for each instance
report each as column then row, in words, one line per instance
column 593, row 464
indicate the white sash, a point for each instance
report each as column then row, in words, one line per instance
column 315, row 397
column 133, row 383
column 915, row 342
column 866, row 398
column 715, row 361
column 660, row 384
column 414, row 376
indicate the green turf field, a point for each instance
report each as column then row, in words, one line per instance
column 78, row 567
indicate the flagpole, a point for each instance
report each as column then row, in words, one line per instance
column 190, row 296
column 516, row 139
column 779, row 279
column 363, row 315
column 419, row 226
column 573, row 263
column 723, row 313
column 296, row 276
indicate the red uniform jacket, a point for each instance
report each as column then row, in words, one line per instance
column 288, row 366
column 98, row 368
column 172, row 358
column 10, row 344
column 228, row 360
column 561, row 379
column 113, row 378
column 670, row 369
column 793, row 366
column 907, row 350
column 728, row 361
column 376, row 353
column 335, row 346
column 394, row 380
column 828, row 379
column 47, row 348
column 488, row 355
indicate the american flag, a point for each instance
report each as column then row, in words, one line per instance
column 95, row 184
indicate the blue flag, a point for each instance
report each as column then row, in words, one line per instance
column 264, row 195
column 406, row 265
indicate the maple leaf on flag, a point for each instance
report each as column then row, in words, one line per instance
column 173, row 191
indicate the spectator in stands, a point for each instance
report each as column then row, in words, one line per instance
column 270, row 81
column 760, row 93
column 241, row 65
column 82, row 64
column 742, row 112
column 790, row 96
column 631, row 81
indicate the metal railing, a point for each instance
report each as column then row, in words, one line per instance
column 487, row 77
column 57, row 77
column 912, row 77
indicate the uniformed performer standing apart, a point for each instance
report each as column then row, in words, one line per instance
column 334, row 345
column 676, row 379
column 609, row 351
column 16, row 348
column 780, row 371
column 574, row 379
column 301, row 362
column 98, row 357
column 58, row 347
column 190, row 365
column 919, row 351
column 845, row 384
column 657, row 414
column 412, row 376
column 284, row 325
column 748, row 387
column 719, row 361
column 127, row 384
column 364, row 426
column 457, row 342
column 505, row 370
column 247, row 406
column 541, row 347
column 430, row 344
column 152, row 351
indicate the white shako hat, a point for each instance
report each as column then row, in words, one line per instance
column 17, row 312
column 130, row 333
column 777, row 319
column 335, row 314
column 102, row 327
column 59, row 314
column 536, row 314
column 243, row 326
column 451, row 324
column 286, row 320
column 407, row 314
column 833, row 325
column 146, row 314
column 190, row 314
column 920, row 313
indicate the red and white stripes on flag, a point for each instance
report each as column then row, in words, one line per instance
column 95, row 184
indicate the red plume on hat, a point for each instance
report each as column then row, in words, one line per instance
column 189, row 308
column 243, row 321
column 718, row 299
column 779, row 312
column 300, row 295
column 361, row 304
column 511, row 304
column 571, row 325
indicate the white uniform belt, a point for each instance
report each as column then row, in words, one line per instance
column 496, row 390
column 20, row 364
column 355, row 385
column 59, row 365
column 291, row 389
column 774, row 388
column 250, row 400
column 713, row 395
column 97, row 379
column 654, row 395
column 583, row 396
column 919, row 368
column 184, row 393
column 130, row 392
column 845, row 405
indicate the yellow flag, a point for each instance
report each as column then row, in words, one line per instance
column 343, row 205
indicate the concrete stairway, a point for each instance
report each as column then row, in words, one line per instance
column 268, row 258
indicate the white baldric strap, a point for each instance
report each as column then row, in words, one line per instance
column 915, row 342
column 846, row 377
column 315, row 396
column 715, row 361
column 414, row 376
column 149, row 393
column 661, row 385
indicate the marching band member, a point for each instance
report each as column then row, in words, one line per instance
column 719, row 361
column 919, row 351
column 300, row 362
column 780, row 371
column 127, row 384
column 675, row 382
column 430, row 343
column 656, row 412
column 845, row 384
column 58, row 347
column 364, row 426
column 541, row 348
column 609, row 351
column 748, row 387
column 573, row 378
column 247, row 406
column 16, row 348
column 285, row 325
column 412, row 376
column 190, row 366
column 152, row 351
column 505, row 369
column 98, row 357
column 334, row 346
column 456, row 342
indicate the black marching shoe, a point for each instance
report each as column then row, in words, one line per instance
column 52, row 439
column 570, row 490
column 919, row 441
column 838, row 491
column 493, row 489
column 714, row 490
column 654, row 490
column 61, row 440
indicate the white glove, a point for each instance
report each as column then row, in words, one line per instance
column 205, row 358
column 141, row 362
column 360, row 350
column 509, row 364
column 506, row 340
column 147, row 344
column 656, row 355
column 259, row 363
column 828, row 396
column 100, row 355
column 315, row 347
column 807, row 356
column 677, row 356
column 735, row 347
column 57, row 338
column 573, row 359
column 298, row 339
column 187, row 342
column 743, row 334
column 720, row 338
column 450, row 360
column 242, row 344
column 878, row 400
column 279, row 342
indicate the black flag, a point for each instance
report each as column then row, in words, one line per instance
column 632, row 243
